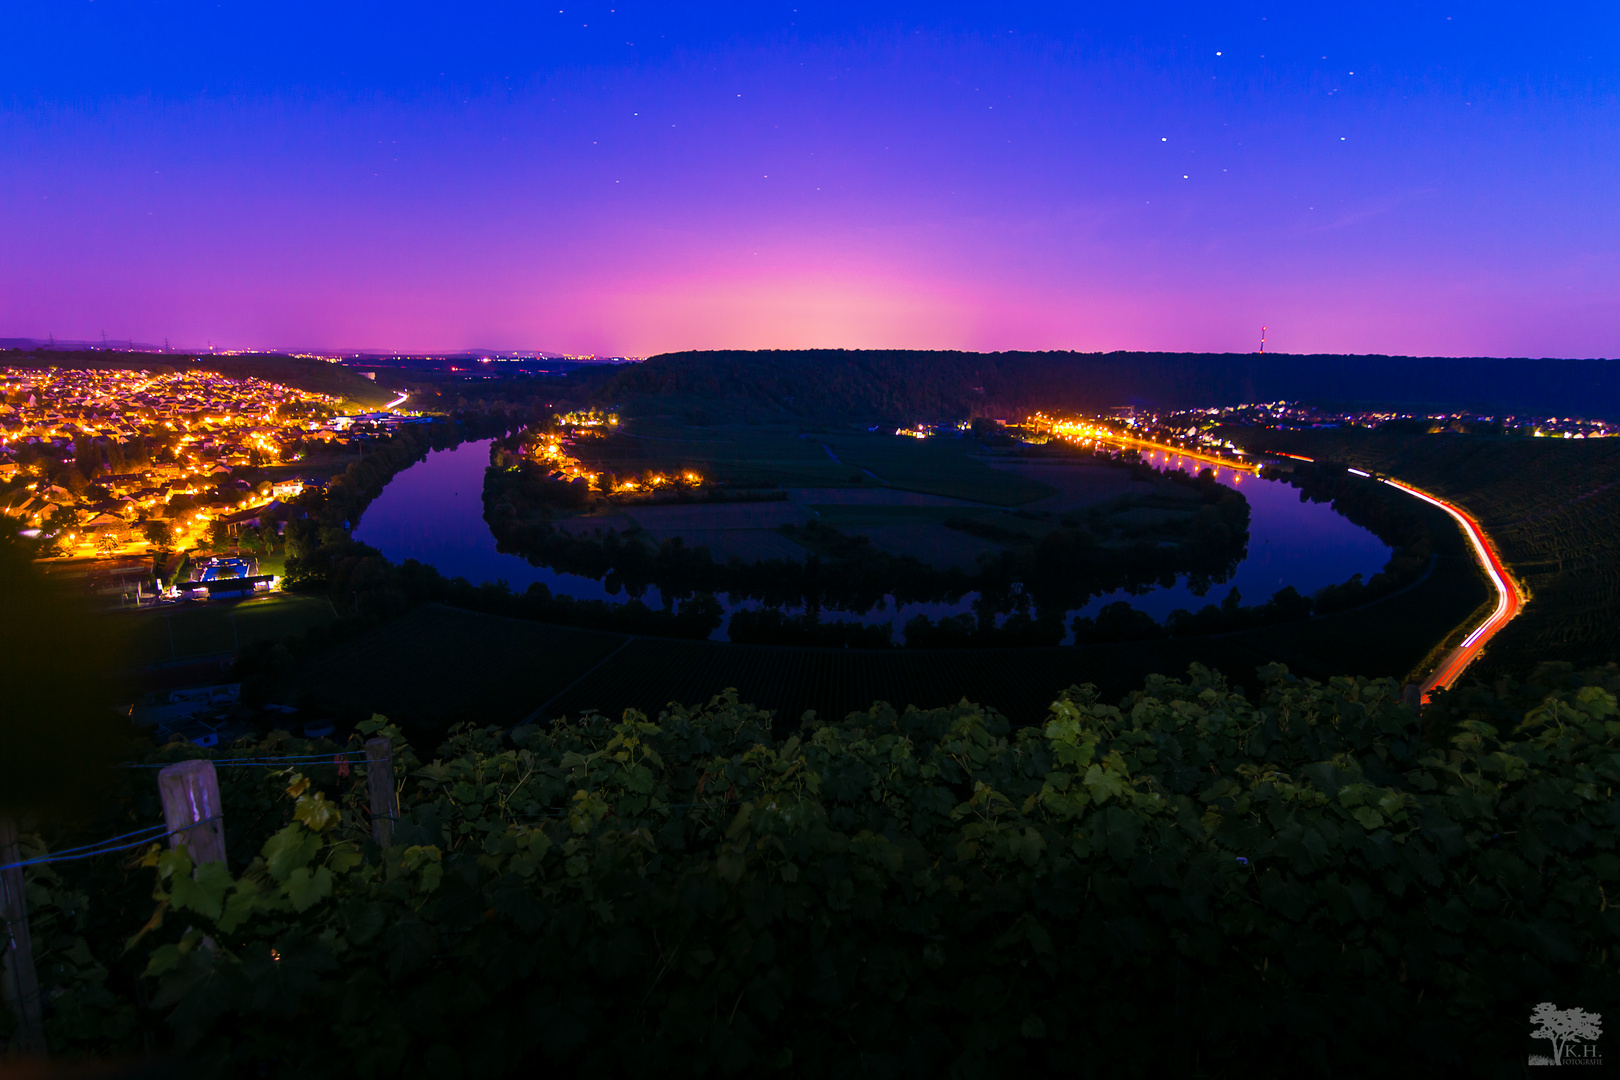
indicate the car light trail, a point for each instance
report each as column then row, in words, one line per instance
column 1509, row 602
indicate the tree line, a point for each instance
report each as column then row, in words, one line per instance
column 905, row 386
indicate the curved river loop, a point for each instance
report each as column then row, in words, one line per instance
column 433, row 512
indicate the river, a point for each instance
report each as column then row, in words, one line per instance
column 433, row 512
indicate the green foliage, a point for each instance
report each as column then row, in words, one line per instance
column 1189, row 882
column 160, row 534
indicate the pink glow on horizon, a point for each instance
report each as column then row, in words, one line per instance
column 871, row 190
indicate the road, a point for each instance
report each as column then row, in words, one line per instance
column 397, row 402
column 1509, row 600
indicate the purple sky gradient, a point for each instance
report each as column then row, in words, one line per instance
column 911, row 177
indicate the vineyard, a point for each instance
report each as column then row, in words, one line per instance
column 1552, row 506
column 1307, row 873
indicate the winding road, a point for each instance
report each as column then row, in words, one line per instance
column 1509, row 600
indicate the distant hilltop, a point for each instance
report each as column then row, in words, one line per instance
column 708, row 386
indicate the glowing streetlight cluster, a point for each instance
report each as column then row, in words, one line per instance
column 1098, row 434
column 553, row 449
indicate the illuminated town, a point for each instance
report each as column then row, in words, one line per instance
column 124, row 462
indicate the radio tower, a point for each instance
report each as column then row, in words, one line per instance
column 1262, row 341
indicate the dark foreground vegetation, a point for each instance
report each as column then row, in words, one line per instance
column 1193, row 882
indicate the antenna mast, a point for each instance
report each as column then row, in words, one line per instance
column 1262, row 341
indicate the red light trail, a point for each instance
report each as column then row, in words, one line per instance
column 1509, row 601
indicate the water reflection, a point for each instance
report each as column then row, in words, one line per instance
column 433, row 512
column 1306, row 545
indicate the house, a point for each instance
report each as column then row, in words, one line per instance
column 254, row 517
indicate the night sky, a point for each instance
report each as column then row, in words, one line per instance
column 634, row 178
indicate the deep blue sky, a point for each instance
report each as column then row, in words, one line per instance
column 625, row 178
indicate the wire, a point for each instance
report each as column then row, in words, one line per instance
column 160, row 831
column 332, row 758
column 111, row 839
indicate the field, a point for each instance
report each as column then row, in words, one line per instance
column 738, row 456
column 937, row 466
column 773, row 456
column 1074, row 483
column 190, row 631
column 1551, row 505
column 897, row 492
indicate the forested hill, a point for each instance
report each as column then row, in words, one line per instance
column 908, row 385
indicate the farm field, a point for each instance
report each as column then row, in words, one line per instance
column 1552, row 506
column 938, row 466
column 1075, row 484
column 774, row 456
column 736, row 456
column 182, row 632
column 897, row 492
column 743, row 515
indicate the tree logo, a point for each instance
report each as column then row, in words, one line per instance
column 1573, row 1033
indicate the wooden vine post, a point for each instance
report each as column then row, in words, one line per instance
column 192, row 810
column 20, row 979
column 380, row 787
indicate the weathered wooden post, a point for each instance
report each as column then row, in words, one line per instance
column 380, row 786
column 192, row 809
column 20, row 978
